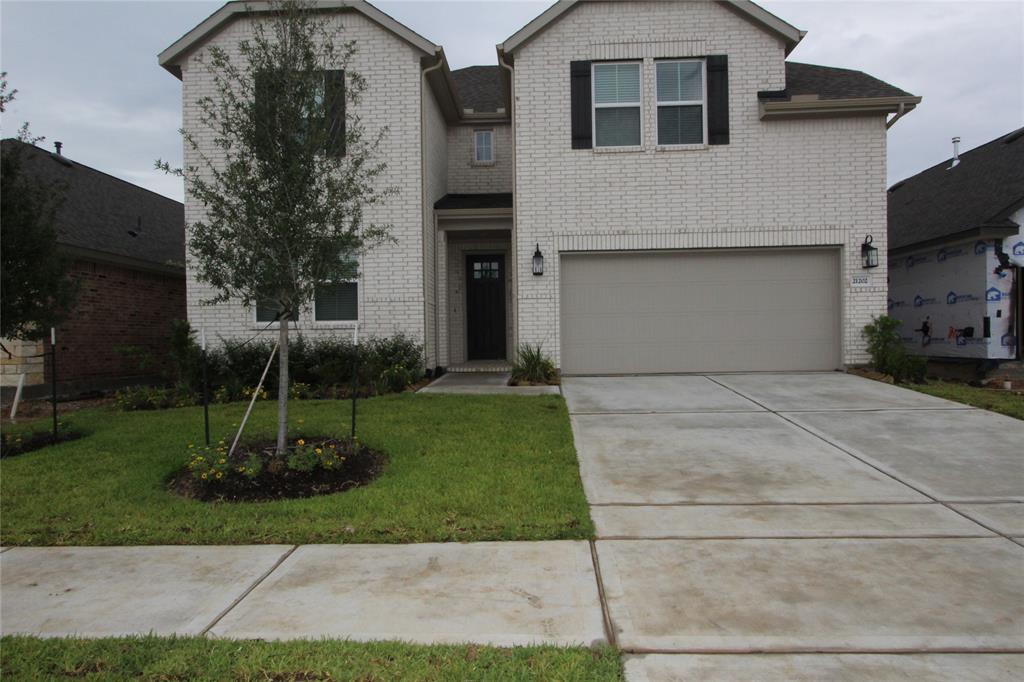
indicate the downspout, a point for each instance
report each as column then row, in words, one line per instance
column 424, row 208
column 515, row 212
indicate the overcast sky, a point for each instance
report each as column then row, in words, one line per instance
column 87, row 74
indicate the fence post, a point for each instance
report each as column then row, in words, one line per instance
column 53, row 377
column 206, row 389
column 355, row 388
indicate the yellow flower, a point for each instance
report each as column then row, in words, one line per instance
column 221, row 460
column 318, row 451
column 300, row 442
column 332, row 446
column 220, row 475
column 204, row 477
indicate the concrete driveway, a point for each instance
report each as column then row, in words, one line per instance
column 827, row 519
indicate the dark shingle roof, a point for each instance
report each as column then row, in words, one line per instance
column 99, row 210
column 981, row 191
column 480, row 88
column 828, row 82
column 474, row 201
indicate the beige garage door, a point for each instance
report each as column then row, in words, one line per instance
column 710, row 311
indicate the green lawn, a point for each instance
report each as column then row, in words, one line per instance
column 153, row 658
column 1004, row 402
column 462, row 468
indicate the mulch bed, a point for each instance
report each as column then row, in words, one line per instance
column 277, row 482
column 20, row 443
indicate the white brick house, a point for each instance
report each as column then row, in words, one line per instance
column 700, row 204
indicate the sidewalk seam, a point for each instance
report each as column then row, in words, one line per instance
column 246, row 593
column 606, row 614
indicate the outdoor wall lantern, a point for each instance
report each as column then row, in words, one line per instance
column 868, row 253
column 538, row 262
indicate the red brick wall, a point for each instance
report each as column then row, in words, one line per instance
column 117, row 307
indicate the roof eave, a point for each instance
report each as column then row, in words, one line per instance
column 805, row 108
column 981, row 232
column 171, row 57
column 745, row 8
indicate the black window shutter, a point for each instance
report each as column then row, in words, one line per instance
column 334, row 91
column 579, row 77
column 264, row 104
column 718, row 99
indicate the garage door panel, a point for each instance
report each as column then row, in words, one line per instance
column 700, row 311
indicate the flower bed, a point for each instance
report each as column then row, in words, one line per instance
column 20, row 442
column 315, row 465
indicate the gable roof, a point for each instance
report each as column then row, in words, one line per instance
column 170, row 57
column 979, row 193
column 480, row 88
column 99, row 211
column 746, row 9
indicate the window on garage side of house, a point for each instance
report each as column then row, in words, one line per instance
column 616, row 104
column 483, row 147
column 682, row 101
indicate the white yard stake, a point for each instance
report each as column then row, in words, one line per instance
column 256, row 392
column 17, row 395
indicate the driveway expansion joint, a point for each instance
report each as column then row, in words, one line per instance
column 869, row 463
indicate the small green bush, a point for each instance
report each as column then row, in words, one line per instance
column 532, row 365
column 889, row 355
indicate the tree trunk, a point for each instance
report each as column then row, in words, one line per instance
column 282, row 388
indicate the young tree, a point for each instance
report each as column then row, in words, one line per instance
column 36, row 292
column 291, row 172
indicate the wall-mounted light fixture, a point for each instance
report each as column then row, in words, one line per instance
column 538, row 262
column 868, row 253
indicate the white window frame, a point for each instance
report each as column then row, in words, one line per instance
column 341, row 324
column 682, row 103
column 594, row 106
column 476, row 159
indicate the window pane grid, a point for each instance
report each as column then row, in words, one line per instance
column 617, row 104
column 680, row 102
column 482, row 142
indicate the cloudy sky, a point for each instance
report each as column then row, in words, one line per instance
column 87, row 74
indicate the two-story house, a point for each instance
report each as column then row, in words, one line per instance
column 640, row 187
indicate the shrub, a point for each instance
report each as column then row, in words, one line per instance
column 889, row 355
column 134, row 398
column 532, row 365
column 319, row 368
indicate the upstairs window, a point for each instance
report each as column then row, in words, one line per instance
column 616, row 96
column 681, row 102
column 324, row 110
column 483, row 146
column 267, row 311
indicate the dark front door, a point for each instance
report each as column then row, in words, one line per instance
column 485, row 307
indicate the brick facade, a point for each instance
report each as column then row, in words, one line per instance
column 118, row 308
column 810, row 182
column 778, row 183
column 392, row 282
column 467, row 177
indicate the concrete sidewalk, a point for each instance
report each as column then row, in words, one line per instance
column 500, row 593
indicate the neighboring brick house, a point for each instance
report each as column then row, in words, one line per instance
column 697, row 202
column 126, row 249
column 956, row 247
